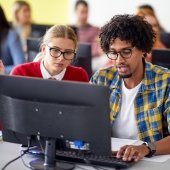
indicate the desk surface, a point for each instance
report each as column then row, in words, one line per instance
column 9, row 151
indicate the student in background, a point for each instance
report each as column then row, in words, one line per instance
column 11, row 52
column 86, row 32
column 22, row 21
column 139, row 91
column 150, row 17
column 58, row 50
column 149, row 9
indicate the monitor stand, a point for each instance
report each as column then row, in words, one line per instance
column 49, row 163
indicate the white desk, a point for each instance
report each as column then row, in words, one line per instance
column 9, row 151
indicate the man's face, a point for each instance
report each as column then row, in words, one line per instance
column 126, row 67
column 82, row 13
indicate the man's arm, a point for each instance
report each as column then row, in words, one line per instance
column 162, row 146
column 129, row 152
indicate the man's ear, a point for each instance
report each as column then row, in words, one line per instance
column 144, row 55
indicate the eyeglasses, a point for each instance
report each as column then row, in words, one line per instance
column 125, row 53
column 67, row 55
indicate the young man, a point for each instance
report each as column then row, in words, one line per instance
column 139, row 99
column 86, row 32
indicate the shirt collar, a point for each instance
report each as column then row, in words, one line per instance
column 147, row 82
column 46, row 75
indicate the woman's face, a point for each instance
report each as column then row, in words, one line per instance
column 152, row 20
column 54, row 60
column 24, row 15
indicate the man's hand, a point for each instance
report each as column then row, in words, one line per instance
column 129, row 152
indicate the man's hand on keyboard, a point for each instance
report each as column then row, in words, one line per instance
column 129, row 152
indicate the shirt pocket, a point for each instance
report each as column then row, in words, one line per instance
column 154, row 116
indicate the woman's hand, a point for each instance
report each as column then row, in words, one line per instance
column 2, row 68
column 130, row 152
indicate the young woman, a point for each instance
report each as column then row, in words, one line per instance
column 22, row 21
column 151, row 18
column 58, row 50
column 11, row 52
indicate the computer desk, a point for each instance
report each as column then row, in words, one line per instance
column 9, row 151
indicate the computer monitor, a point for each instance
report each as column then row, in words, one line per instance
column 165, row 38
column 38, row 30
column 84, row 57
column 55, row 110
column 161, row 57
column 33, row 48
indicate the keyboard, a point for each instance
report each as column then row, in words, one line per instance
column 90, row 159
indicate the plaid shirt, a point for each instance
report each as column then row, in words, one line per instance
column 152, row 102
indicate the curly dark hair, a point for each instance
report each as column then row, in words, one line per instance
column 131, row 28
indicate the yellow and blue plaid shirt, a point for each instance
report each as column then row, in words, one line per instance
column 152, row 102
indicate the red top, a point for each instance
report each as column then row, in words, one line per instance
column 32, row 69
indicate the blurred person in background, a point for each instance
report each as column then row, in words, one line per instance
column 22, row 21
column 11, row 52
column 149, row 9
column 150, row 17
column 86, row 32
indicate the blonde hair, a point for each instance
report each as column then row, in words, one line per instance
column 59, row 31
column 26, row 29
column 16, row 7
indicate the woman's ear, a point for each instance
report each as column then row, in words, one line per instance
column 43, row 49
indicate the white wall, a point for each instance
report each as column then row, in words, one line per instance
column 102, row 10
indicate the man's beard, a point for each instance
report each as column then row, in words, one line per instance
column 122, row 69
column 124, row 76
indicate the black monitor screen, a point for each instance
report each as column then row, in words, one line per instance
column 70, row 111
column 161, row 57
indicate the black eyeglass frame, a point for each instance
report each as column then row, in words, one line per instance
column 61, row 53
column 120, row 52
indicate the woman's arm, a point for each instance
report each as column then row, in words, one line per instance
column 16, row 51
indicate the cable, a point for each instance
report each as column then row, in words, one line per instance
column 29, row 167
column 85, row 160
column 13, row 160
column 18, row 157
column 39, row 141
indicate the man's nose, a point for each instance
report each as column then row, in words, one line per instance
column 119, row 59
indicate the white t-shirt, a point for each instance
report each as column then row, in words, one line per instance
column 125, row 123
column 46, row 74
